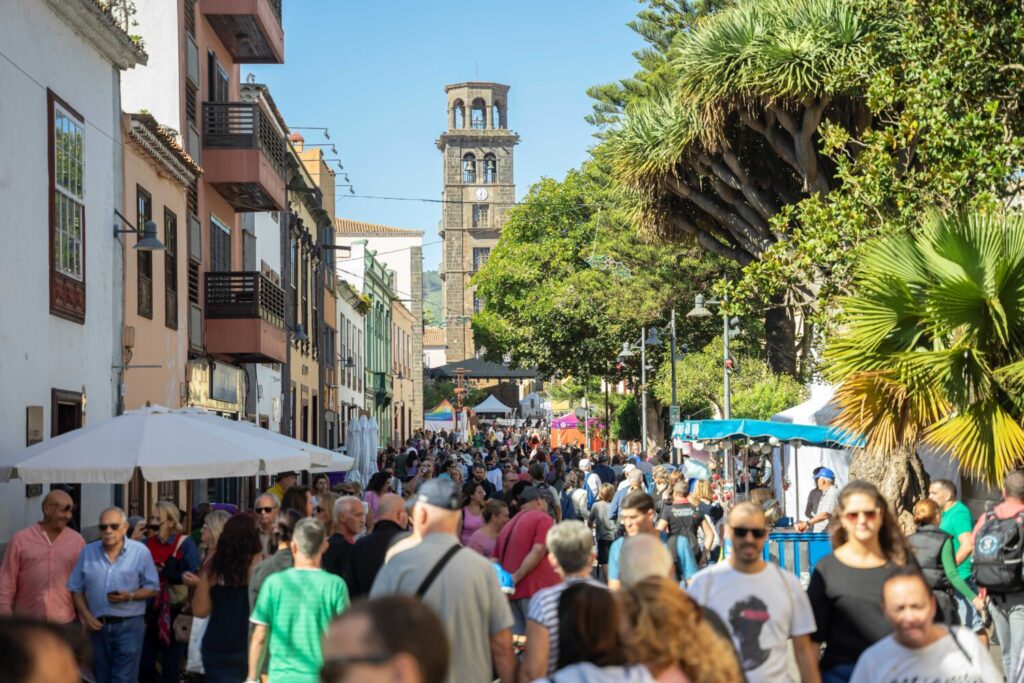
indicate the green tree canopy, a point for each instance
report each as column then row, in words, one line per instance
column 570, row 281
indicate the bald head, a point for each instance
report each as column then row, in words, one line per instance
column 392, row 507
column 746, row 512
column 58, row 509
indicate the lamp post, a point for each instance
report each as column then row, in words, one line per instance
column 700, row 310
column 646, row 339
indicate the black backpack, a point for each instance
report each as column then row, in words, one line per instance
column 998, row 551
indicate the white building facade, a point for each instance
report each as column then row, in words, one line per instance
column 401, row 251
column 351, row 355
column 61, row 271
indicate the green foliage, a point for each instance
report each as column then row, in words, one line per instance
column 933, row 344
column 432, row 297
column 554, row 306
column 626, row 421
column 435, row 391
column 757, row 393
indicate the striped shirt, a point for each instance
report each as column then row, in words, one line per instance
column 544, row 611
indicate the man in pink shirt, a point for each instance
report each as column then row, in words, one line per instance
column 521, row 550
column 38, row 562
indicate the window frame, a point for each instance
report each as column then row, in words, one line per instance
column 67, row 291
column 481, row 216
column 171, row 287
column 469, row 175
column 142, row 257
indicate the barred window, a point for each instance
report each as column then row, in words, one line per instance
column 69, row 196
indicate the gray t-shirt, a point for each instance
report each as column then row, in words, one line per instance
column 827, row 503
column 466, row 595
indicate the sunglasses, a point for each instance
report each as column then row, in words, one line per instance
column 264, row 510
column 319, row 509
column 106, row 527
column 153, row 527
column 743, row 532
column 869, row 515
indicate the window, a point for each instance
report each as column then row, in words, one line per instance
column 170, row 269
column 144, row 259
column 497, row 121
column 458, row 114
column 490, row 169
column 480, row 256
column 478, row 115
column 304, row 287
column 220, row 246
column 216, row 79
column 481, row 216
column 67, row 210
column 478, row 304
column 468, row 168
column 293, row 279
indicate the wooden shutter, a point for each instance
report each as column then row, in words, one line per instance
column 220, row 247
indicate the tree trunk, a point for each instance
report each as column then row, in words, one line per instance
column 655, row 427
column 780, row 335
column 899, row 475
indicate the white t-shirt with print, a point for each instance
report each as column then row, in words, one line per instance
column 941, row 662
column 763, row 611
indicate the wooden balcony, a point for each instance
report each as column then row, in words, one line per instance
column 244, row 155
column 245, row 318
column 250, row 29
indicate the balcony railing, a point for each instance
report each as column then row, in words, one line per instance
column 243, row 125
column 244, row 295
column 275, row 5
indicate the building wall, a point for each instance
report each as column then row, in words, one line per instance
column 40, row 352
column 351, row 343
column 403, row 397
column 305, row 356
column 155, row 343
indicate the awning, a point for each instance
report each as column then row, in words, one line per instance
column 492, row 405
column 759, row 430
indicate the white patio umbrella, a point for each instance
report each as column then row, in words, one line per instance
column 373, row 444
column 165, row 445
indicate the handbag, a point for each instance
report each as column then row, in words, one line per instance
column 182, row 627
column 194, row 659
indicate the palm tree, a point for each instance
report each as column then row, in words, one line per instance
column 932, row 351
column 736, row 137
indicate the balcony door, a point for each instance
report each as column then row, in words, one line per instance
column 220, row 246
column 216, row 79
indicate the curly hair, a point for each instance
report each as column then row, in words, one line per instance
column 668, row 630
column 237, row 545
column 890, row 536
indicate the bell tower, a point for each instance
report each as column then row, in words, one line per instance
column 478, row 189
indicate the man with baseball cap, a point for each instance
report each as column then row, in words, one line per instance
column 460, row 585
column 826, row 480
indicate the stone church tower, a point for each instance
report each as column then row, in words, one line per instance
column 478, row 190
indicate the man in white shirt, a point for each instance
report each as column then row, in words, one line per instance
column 590, row 479
column 763, row 605
column 826, row 504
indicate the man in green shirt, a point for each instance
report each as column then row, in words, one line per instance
column 956, row 521
column 293, row 609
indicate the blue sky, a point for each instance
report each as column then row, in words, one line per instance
column 374, row 74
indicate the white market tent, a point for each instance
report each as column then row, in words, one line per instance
column 798, row 464
column 491, row 406
column 166, row 445
column 530, row 404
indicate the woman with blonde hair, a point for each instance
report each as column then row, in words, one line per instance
column 846, row 586
column 174, row 554
column 669, row 637
column 324, row 510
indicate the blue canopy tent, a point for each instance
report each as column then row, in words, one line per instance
column 760, row 430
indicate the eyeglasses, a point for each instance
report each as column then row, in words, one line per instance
column 743, row 532
column 335, row 667
column 64, row 508
column 106, row 527
column 153, row 527
column 869, row 515
column 264, row 510
column 319, row 509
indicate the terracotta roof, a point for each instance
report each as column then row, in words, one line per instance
column 344, row 226
column 433, row 336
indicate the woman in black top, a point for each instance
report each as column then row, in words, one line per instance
column 223, row 597
column 846, row 586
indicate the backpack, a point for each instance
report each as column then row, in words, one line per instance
column 591, row 498
column 998, row 550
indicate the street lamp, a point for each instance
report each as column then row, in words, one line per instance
column 627, row 353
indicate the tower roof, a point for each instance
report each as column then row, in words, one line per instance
column 476, row 84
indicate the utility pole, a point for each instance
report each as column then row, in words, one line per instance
column 674, row 408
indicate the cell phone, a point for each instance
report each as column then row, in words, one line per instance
column 112, row 593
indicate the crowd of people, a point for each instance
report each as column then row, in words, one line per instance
column 510, row 560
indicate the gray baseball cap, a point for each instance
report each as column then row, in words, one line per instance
column 442, row 493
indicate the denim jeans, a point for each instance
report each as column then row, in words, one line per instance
column 117, row 650
column 841, row 673
column 1008, row 617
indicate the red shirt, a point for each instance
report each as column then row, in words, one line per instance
column 1004, row 510
column 516, row 540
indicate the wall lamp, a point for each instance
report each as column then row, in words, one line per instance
column 323, row 128
column 147, row 236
